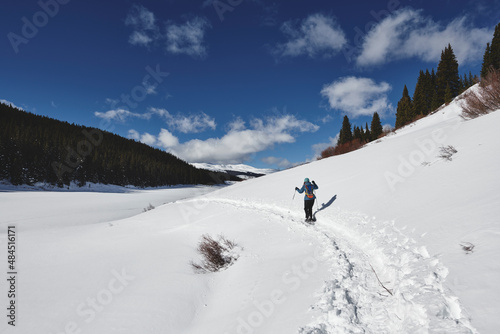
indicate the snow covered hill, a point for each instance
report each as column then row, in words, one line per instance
column 385, row 255
column 241, row 170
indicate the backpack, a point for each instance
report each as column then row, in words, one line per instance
column 309, row 190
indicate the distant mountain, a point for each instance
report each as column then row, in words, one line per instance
column 240, row 170
column 41, row 149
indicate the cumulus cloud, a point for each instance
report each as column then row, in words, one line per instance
column 145, row 138
column 239, row 143
column 358, row 96
column 134, row 134
column 187, row 38
column 316, row 36
column 407, row 33
column 166, row 139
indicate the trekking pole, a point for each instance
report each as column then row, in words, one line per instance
column 290, row 207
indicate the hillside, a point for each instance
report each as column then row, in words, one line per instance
column 40, row 149
column 385, row 256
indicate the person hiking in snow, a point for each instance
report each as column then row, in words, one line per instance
column 309, row 198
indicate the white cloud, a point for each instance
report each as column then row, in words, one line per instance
column 407, row 33
column 193, row 123
column 187, row 38
column 239, row 143
column 148, row 139
column 320, row 147
column 387, row 127
column 141, row 18
column 139, row 38
column 10, row 104
column 318, row 35
column 134, row 134
column 280, row 162
column 358, row 96
column 120, row 115
column 145, row 138
column 167, row 139
column 144, row 24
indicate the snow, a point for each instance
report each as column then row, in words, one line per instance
column 384, row 256
column 242, row 168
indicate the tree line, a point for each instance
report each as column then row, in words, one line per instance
column 353, row 138
column 434, row 89
column 36, row 148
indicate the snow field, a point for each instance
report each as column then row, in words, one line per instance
column 383, row 257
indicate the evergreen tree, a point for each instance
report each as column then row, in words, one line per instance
column 491, row 58
column 345, row 133
column 495, row 48
column 487, row 61
column 367, row 133
column 447, row 94
column 357, row 133
column 472, row 80
column 404, row 110
column 419, row 96
column 376, row 127
column 429, row 89
column 447, row 74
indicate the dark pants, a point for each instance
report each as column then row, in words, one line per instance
column 308, row 207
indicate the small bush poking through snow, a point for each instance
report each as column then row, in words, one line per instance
column 217, row 254
column 149, row 207
column 447, row 152
column 467, row 247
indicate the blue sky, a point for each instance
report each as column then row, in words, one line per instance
column 265, row 83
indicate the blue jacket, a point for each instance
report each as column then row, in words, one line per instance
column 301, row 190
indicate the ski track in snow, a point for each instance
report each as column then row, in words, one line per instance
column 366, row 258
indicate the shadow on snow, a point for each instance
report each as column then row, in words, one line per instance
column 325, row 205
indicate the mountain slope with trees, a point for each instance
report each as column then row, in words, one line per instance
column 40, row 149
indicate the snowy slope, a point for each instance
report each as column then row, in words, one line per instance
column 383, row 257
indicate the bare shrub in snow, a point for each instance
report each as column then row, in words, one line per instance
column 467, row 247
column 486, row 99
column 447, row 152
column 217, row 254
